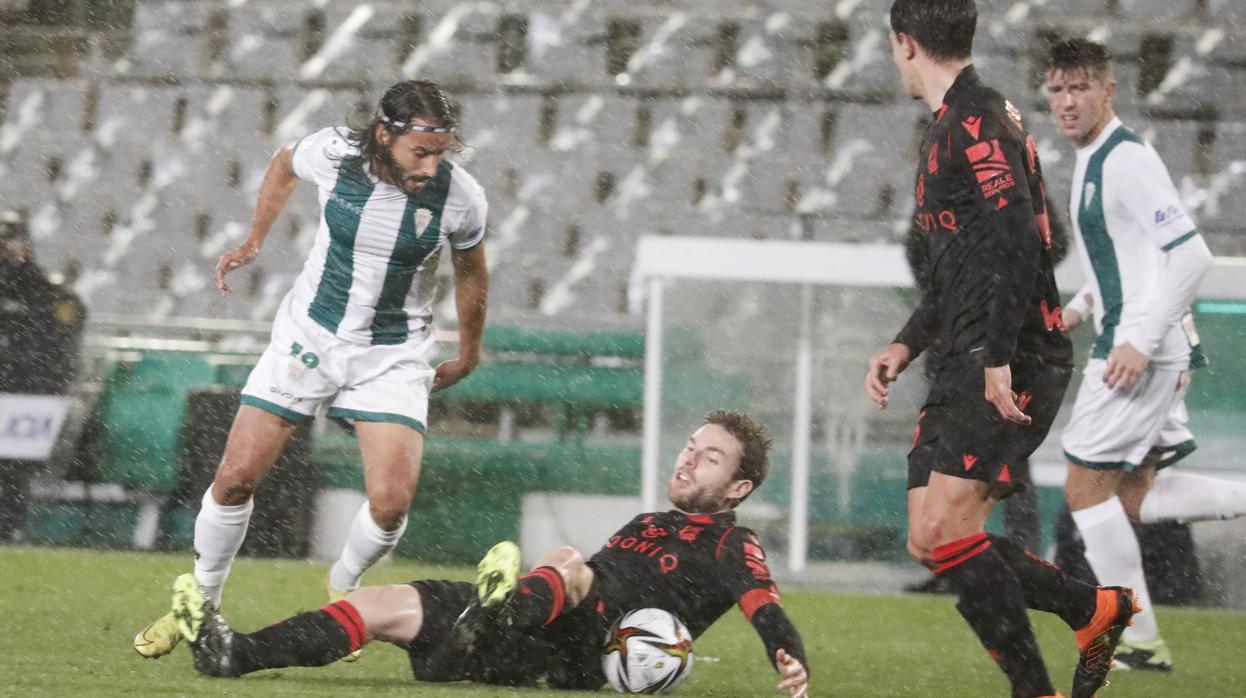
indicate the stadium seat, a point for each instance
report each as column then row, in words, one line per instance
column 1156, row 12
column 134, row 113
column 568, row 47
column 1229, row 13
column 168, row 39
column 676, row 51
column 44, row 110
column 360, row 40
column 460, row 49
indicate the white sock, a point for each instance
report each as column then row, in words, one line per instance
column 365, row 544
column 1113, row 553
column 219, row 531
column 1188, row 497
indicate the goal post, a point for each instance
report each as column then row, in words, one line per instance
column 784, row 329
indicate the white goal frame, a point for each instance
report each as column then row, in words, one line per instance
column 660, row 259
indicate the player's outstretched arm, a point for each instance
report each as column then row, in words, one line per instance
column 795, row 677
column 279, row 182
column 471, row 297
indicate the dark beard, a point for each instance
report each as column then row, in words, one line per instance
column 699, row 504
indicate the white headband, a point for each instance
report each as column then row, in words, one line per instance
column 415, row 127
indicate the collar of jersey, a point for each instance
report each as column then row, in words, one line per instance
column 967, row 78
column 1103, row 136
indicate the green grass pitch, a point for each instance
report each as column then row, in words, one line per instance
column 69, row 615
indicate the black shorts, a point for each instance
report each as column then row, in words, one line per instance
column 567, row 653
column 960, row 434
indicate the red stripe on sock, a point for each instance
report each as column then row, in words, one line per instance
column 754, row 599
column 348, row 617
column 554, row 580
column 954, row 553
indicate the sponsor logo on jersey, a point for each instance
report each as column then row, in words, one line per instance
column 1164, row 216
column 991, row 167
column 423, row 217
column 973, row 125
column 1053, row 318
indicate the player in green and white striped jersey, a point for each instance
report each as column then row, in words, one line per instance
column 355, row 331
column 1143, row 259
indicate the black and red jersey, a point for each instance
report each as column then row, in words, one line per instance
column 696, row 566
column 980, row 201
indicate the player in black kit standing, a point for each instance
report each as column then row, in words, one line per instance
column 693, row 561
column 992, row 304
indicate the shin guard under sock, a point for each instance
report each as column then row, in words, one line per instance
column 314, row 638
column 1047, row 587
column 992, row 602
column 538, row 598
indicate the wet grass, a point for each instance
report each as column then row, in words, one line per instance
column 67, row 618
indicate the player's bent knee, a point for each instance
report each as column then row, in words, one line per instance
column 391, row 613
column 231, row 491
column 388, row 516
column 562, row 559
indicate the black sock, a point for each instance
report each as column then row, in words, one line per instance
column 538, row 599
column 314, row 638
column 992, row 602
column 1047, row 587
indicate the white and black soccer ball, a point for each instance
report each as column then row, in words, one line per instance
column 648, row 651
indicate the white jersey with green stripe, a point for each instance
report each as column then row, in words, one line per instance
column 1127, row 215
column 371, row 275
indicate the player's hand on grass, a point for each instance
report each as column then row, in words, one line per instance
column 230, row 261
column 1125, row 366
column 795, row 678
column 885, row 368
column 999, row 393
column 450, row 372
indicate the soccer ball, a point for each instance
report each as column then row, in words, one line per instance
column 647, row 651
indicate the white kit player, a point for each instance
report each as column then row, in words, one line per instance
column 355, row 330
column 1143, row 259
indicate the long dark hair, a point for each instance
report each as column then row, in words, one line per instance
column 407, row 100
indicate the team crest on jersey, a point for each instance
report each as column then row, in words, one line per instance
column 1013, row 113
column 1088, row 195
column 423, row 217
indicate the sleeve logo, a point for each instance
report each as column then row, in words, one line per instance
column 991, row 167
column 1165, row 216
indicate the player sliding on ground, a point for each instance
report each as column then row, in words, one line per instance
column 693, row 561
column 1143, row 260
column 991, row 303
column 355, row 331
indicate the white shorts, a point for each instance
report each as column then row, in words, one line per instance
column 305, row 365
column 1112, row 428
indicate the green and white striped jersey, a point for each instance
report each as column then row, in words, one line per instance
column 1127, row 215
column 371, row 274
